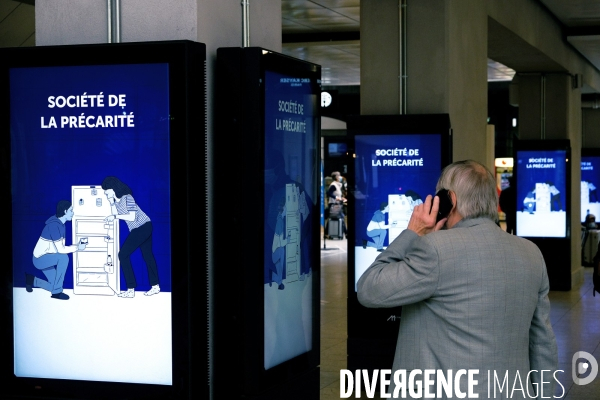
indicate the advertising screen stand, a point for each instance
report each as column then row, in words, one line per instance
column 590, row 204
column 543, row 176
column 266, row 226
column 99, row 148
column 397, row 160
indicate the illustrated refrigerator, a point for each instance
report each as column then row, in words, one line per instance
column 95, row 269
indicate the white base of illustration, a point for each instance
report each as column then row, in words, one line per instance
column 363, row 258
column 542, row 224
column 96, row 338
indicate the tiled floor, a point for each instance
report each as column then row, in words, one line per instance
column 575, row 318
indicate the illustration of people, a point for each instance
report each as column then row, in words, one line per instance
column 124, row 207
column 50, row 254
column 555, row 199
column 593, row 194
column 278, row 247
column 276, row 182
column 529, row 201
column 377, row 228
column 415, row 199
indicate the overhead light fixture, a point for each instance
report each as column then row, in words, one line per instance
column 325, row 99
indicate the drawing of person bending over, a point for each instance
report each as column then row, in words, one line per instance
column 123, row 206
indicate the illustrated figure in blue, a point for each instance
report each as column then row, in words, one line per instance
column 377, row 228
column 529, row 202
column 50, row 254
column 276, row 179
column 278, row 248
column 593, row 196
column 593, row 193
column 556, row 204
column 123, row 206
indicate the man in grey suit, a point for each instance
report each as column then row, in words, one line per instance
column 473, row 297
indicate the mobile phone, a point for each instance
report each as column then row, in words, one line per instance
column 445, row 204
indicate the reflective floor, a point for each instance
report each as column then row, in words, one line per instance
column 575, row 318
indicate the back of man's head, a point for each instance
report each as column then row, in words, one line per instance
column 475, row 189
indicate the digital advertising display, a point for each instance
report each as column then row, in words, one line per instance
column 397, row 161
column 541, row 178
column 336, row 149
column 267, row 301
column 92, row 143
column 590, row 182
column 393, row 174
column 290, row 200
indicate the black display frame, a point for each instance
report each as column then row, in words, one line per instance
column 556, row 251
column 590, row 152
column 372, row 335
column 187, row 99
column 238, row 311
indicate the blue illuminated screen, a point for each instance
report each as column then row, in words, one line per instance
column 393, row 174
column 541, row 193
column 290, row 173
column 72, row 129
column 590, row 181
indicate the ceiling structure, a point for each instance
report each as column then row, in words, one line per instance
column 17, row 24
column 327, row 32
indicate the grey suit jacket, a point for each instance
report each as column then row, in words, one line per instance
column 473, row 297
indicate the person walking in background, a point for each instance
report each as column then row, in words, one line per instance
column 508, row 205
column 336, row 202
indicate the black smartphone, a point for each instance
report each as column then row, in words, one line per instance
column 445, row 204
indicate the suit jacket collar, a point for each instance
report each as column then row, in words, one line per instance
column 469, row 222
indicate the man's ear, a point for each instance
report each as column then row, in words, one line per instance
column 452, row 199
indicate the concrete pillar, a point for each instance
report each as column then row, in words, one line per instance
column 550, row 108
column 590, row 128
column 446, row 53
column 216, row 23
column 380, row 57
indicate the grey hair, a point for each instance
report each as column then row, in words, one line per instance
column 475, row 189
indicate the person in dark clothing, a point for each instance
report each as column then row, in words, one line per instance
column 508, row 205
column 336, row 201
column 51, row 255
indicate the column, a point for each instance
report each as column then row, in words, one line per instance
column 446, row 65
column 550, row 108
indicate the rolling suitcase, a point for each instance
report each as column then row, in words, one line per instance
column 334, row 228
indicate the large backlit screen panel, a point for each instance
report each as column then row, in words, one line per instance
column 590, row 182
column 289, row 200
column 542, row 193
column 393, row 174
column 71, row 127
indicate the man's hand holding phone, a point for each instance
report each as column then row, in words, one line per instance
column 424, row 217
